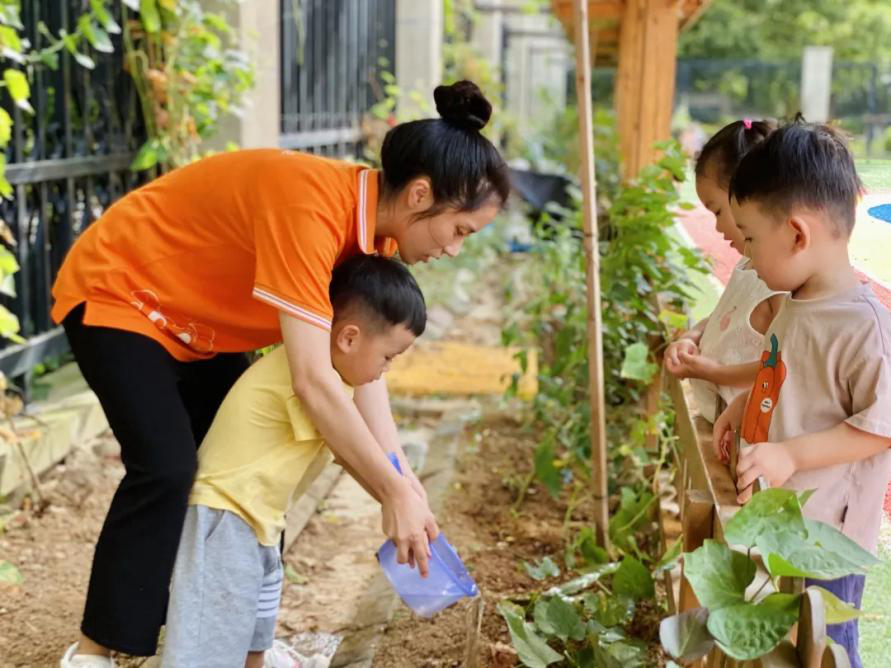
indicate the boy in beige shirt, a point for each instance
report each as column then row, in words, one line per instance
column 818, row 415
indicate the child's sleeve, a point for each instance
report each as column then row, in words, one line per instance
column 296, row 248
column 870, row 387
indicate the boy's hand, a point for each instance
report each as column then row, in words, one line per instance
column 725, row 425
column 684, row 344
column 410, row 525
column 774, row 461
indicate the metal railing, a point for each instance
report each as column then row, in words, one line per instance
column 332, row 55
column 67, row 162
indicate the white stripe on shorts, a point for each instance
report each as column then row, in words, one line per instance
column 270, row 595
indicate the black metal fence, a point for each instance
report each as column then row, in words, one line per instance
column 715, row 90
column 332, row 55
column 67, row 162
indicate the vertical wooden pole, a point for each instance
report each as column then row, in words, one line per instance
column 645, row 77
column 592, row 269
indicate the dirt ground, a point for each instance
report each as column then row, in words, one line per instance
column 493, row 540
column 40, row 618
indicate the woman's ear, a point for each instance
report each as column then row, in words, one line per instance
column 347, row 338
column 419, row 194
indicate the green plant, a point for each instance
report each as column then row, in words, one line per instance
column 587, row 620
column 640, row 258
column 748, row 624
column 188, row 74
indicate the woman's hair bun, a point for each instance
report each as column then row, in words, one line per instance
column 463, row 104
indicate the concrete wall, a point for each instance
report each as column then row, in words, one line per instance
column 419, row 35
column 257, row 23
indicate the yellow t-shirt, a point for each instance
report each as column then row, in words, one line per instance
column 261, row 452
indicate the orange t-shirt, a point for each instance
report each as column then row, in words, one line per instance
column 203, row 258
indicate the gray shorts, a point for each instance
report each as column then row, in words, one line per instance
column 225, row 593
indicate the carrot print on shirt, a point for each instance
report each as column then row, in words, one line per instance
column 196, row 336
column 764, row 395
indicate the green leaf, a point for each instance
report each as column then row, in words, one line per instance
column 293, row 576
column 557, row 617
column 545, row 470
column 10, row 40
column 637, row 365
column 104, row 17
column 146, row 157
column 671, row 556
column 609, row 610
column 719, row 576
column 531, row 648
column 769, row 512
column 673, row 319
column 825, row 554
column 151, row 19
column 9, row 574
column 583, row 582
column 836, row 610
column 635, row 509
column 830, row 538
column 95, row 35
column 747, row 631
column 5, row 127
column 49, row 58
column 9, row 325
column 685, row 636
column 8, row 262
column 546, row 568
column 17, row 84
column 132, row 4
column 633, row 580
column 83, row 60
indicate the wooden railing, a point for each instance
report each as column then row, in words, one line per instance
column 706, row 497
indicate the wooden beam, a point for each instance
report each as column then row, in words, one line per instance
column 645, row 79
column 592, row 272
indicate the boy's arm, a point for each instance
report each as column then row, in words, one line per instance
column 373, row 402
column 777, row 462
column 409, row 523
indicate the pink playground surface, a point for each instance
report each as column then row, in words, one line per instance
column 699, row 223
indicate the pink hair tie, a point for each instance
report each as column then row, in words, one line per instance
column 747, row 123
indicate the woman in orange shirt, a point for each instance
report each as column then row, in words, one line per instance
column 162, row 296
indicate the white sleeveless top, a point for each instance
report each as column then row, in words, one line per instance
column 729, row 337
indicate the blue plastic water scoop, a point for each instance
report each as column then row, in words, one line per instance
column 447, row 582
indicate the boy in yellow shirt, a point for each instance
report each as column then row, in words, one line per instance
column 260, row 454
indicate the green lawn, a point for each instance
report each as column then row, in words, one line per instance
column 875, row 174
column 875, row 628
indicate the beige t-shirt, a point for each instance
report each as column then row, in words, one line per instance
column 729, row 337
column 828, row 361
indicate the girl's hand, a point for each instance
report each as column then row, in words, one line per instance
column 685, row 345
column 694, row 366
column 773, row 461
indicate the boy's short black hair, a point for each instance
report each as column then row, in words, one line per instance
column 383, row 288
column 801, row 164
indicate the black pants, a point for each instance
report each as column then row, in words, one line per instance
column 159, row 409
